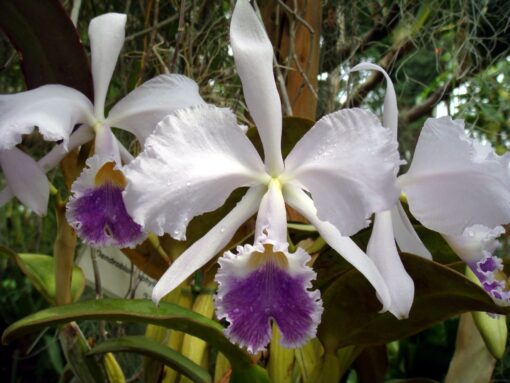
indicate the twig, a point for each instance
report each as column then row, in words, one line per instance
column 179, row 37
column 167, row 21
column 75, row 12
column 99, row 289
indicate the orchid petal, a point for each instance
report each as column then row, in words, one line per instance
column 253, row 54
column 390, row 117
column 96, row 209
column 405, row 235
column 189, row 166
column 106, row 145
column 298, row 199
column 383, row 251
column 203, row 250
column 259, row 285
column 106, row 34
column 272, row 217
column 26, row 179
column 54, row 109
column 455, row 182
column 51, row 159
column 348, row 162
column 474, row 242
column 141, row 110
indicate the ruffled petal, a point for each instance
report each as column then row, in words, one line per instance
column 298, row 199
column 203, row 250
column 54, row 109
column 253, row 54
column 189, row 166
column 106, row 34
column 96, row 209
column 348, row 162
column 258, row 285
column 141, row 110
column 475, row 247
column 405, row 235
column 455, row 182
column 25, row 179
column 475, row 242
column 382, row 250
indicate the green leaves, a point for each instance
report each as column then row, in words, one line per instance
column 40, row 270
column 351, row 307
column 48, row 43
column 167, row 315
column 149, row 347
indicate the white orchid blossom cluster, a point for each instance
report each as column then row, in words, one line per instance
column 195, row 155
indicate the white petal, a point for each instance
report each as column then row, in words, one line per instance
column 26, row 179
column 106, row 34
column 348, row 162
column 405, row 235
column 455, row 182
column 203, row 250
column 390, row 117
column 54, row 109
column 253, row 55
column 106, row 144
column 343, row 245
column 141, row 110
column 475, row 242
column 189, row 166
column 80, row 136
column 272, row 217
column 382, row 250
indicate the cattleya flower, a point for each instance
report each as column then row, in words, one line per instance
column 455, row 186
column 96, row 209
column 336, row 176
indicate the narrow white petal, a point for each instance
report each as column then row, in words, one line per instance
column 253, row 55
column 106, row 34
column 25, row 179
column 54, row 109
column 475, row 242
column 405, row 235
column 272, row 217
column 106, row 144
column 203, row 250
column 343, row 245
column 51, row 159
column 189, row 166
column 382, row 250
column 390, row 117
column 348, row 162
column 141, row 110
column 455, row 182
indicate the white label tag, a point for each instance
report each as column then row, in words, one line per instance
column 118, row 278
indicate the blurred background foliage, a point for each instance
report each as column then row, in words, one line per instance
column 446, row 57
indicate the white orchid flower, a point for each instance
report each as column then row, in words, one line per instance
column 96, row 209
column 460, row 188
column 455, row 186
column 336, row 176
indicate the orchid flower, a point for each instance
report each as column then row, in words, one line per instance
column 455, row 186
column 96, row 209
column 336, row 176
column 460, row 188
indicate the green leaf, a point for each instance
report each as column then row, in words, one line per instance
column 167, row 315
column 47, row 42
column 40, row 270
column 149, row 347
column 351, row 308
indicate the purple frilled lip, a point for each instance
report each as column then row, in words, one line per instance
column 489, row 271
column 256, row 289
column 97, row 211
